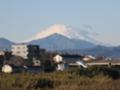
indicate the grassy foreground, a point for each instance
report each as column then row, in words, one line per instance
column 67, row 80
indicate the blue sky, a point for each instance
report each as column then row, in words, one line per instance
column 21, row 19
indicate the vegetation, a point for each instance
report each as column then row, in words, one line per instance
column 80, row 79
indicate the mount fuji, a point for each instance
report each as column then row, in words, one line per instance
column 65, row 39
column 61, row 37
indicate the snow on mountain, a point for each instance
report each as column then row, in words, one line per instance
column 66, row 31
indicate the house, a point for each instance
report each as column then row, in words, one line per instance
column 25, row 51
column 4, row 56
column 2, row 53
column 57, row 58
column 7, row 69
column 71, row 58
column 64, row 60
column 60, row 67
column 88, row 58
column 33, row 51
column 36, row 62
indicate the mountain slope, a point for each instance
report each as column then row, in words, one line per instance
column 5, row 44
column 66, row 31
column 60, row 42
column 113, row 52
column 103, row 51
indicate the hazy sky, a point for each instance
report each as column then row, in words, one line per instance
column 21, row 19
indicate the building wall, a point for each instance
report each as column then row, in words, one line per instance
column 20, row 50
column 26, row 51
column 33, row 51
column 2, row 53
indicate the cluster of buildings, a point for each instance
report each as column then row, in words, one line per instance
column 21, row 51
column 32, row 52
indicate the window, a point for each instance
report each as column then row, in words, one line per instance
column 18, row 47
column 18, row 52
column 23, row 47
column 24, row 51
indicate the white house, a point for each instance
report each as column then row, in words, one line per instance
column 58, row 58
column 7, row 69
column 2, row 52
column 88, row 58
column 60, row 64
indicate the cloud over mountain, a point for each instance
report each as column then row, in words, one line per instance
column 68, row 32
column 60, row 37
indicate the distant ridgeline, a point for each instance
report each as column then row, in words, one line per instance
column 95, row 51
column 112, row 52
column 61, row 44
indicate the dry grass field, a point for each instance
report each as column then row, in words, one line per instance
column 92, row 79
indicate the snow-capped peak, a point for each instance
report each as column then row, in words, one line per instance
column 57, row 28
column 66, row 31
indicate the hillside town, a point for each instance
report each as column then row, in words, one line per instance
column 32, row 58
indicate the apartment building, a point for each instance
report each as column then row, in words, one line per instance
column 25, row 51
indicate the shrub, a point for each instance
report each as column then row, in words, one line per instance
column 44, row 83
